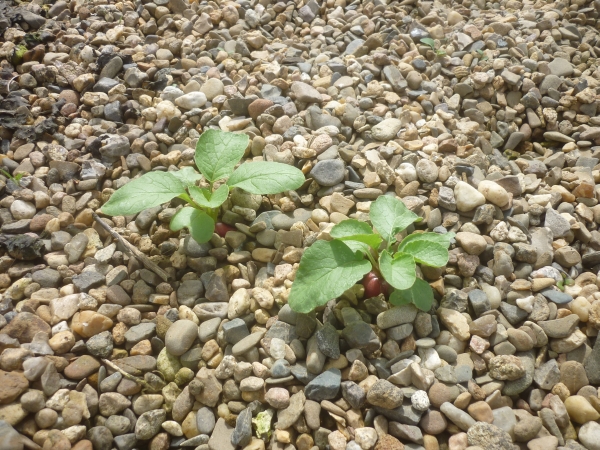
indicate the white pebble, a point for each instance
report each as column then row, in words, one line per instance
column 420, row 401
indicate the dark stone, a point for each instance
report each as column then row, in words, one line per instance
column 235, row 330
column 360, row 335
column 88, row 280
column 592, row 364
column 328, row 341
column 325, row 386
column 242, row 434
column 354, row 394
column 101, row 438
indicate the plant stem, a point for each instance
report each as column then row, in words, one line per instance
column 130, row 377
column 372, row 259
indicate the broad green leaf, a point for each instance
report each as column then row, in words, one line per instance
column 217, row 153
column 354, row 230
column 442, row 239
column 149, row 190
column 420, row 293
column 428, row 41
column 399, row 271
column 263, row 177
column 357, row 246
column 350, row 227
column 200, row 225
column 188, row 176
column 372, row 240
column 207, row 199
column 389, row 216
column 399, row 298
column 326, row 270
column 428, row 253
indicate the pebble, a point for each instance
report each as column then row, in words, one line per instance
column 180, row 337
column 467, row 197
column 589, row 435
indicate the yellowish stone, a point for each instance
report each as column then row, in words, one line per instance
column 580, row 410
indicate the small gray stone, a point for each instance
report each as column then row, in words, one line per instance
column 242, row 433
column 180, row 337
column 561, row 67
column 459, row 417
column 557, row 296
column 281, row 369
column 328, row 341
column 205, row 420
column 360, row 335
column 140, row 332
column 329, row 172
column 247, row 343
column 354, row 394
column 101, row 438
column 148, row 424
column 547, row 375
column 100, row 345
column 220, row 439
column 287, row 417
column 396, row 316
column 208, row 329
column 88, row 280
column 235, row 330
column 386, row 130
column 305, row 93
column 324, row 386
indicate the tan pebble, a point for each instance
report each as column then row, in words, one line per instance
column 561, row 391
column 580, row 410
column 62, row 342
column 189, row 427
column 430, row 442
column 458, row 442
column 255, row 444
column 389, row 442
column 90, row 323
column 141, row 348
column 481, row 412
column 84, row 444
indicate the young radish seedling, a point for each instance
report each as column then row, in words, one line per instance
column 328, row 268
column 431, row 44
column 217, row 154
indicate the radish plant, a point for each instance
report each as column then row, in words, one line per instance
column 217, row 154
column 328, row 268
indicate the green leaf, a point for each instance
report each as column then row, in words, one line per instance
column 428, row 41
column 420, row 293
column 327, row 270
column 399, row 271
column 355, row 230
column 149, row 190
column 188, row 176
column 207, row 199
column 428, row 253
column 350, row 227
column 441, row 239
column 390, row 216
column 217, row 153
column 357, row 246
column 263, row 177
column 200, row 225
column 399, row 298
